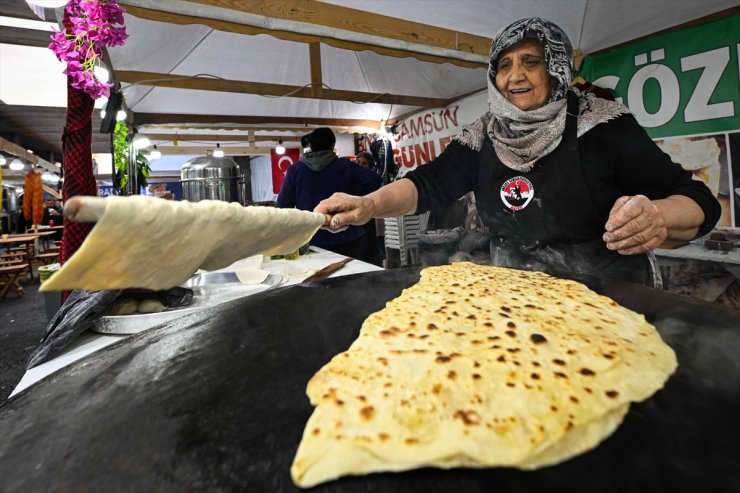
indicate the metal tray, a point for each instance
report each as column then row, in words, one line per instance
column 228, row 277
column 209, row 289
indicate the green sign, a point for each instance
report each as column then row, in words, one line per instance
column 682, row 83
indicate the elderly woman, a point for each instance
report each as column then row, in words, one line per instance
column 566, row 182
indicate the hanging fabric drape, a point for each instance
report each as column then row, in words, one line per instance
column 77, row 151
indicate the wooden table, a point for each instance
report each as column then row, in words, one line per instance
column 9, row 274
column 24, row 239
column 51, row 228
column 54, row 233
column 45, row 236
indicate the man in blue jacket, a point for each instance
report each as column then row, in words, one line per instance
column 315, row 177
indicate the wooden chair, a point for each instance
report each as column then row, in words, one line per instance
column 16, row 260
column 12, row 257
column 47, row 258
column 9, row 279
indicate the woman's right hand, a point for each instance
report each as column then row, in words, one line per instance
column 346, row 209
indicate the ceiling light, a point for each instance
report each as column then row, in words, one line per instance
column 121, row 115
column 280, row 148
column 218, row 152
column 155, row 153
column 3, row 161
column 140, row 141
column 17, row 165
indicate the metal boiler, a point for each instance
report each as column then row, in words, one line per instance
column 212, row 178
column 9, row 208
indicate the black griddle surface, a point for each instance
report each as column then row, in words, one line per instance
column 216, row 401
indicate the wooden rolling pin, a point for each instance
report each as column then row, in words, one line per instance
column 86, row 209
column 328, row 270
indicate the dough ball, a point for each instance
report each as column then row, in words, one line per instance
column 122, row 306
column 150, row 305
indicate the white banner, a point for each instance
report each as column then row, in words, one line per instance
column 422, row 137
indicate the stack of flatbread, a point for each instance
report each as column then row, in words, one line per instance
column 146, row 242
column 479, row 366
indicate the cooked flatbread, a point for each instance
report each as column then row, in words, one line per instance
column 479, row 366
column 146, row 242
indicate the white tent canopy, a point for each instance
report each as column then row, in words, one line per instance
column 158, row 51
column 248, row 73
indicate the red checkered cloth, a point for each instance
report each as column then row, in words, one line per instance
column 78, row 167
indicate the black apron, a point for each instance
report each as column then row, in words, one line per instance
column 545, row 219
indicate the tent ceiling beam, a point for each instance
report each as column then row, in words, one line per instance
column 337, row 18
column 19, row 10
column 470, row 54
column 18, row 151
column 24, row 37
column 314, row 57
column 228, row 130
column 199, row 150
column 163, row 118
column 266, row 89
column 221, row 137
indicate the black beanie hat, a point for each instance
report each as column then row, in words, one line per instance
column 322, row 139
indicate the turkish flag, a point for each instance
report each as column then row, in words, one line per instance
column 280, row 165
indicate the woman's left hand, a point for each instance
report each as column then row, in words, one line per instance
column 635, row 225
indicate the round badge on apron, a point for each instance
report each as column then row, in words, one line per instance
column 516, row 193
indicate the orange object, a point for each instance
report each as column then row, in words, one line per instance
column 38, row 199
column 33, row 198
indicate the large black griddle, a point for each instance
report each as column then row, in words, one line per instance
column 216, row 401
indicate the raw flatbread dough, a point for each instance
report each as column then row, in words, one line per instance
column 295, row 271
column 122, row 306
column 479, row 366
column 150, row 305
column 251, row 276
column 147, row 242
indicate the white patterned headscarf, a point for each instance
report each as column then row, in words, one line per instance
column 522, row 137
